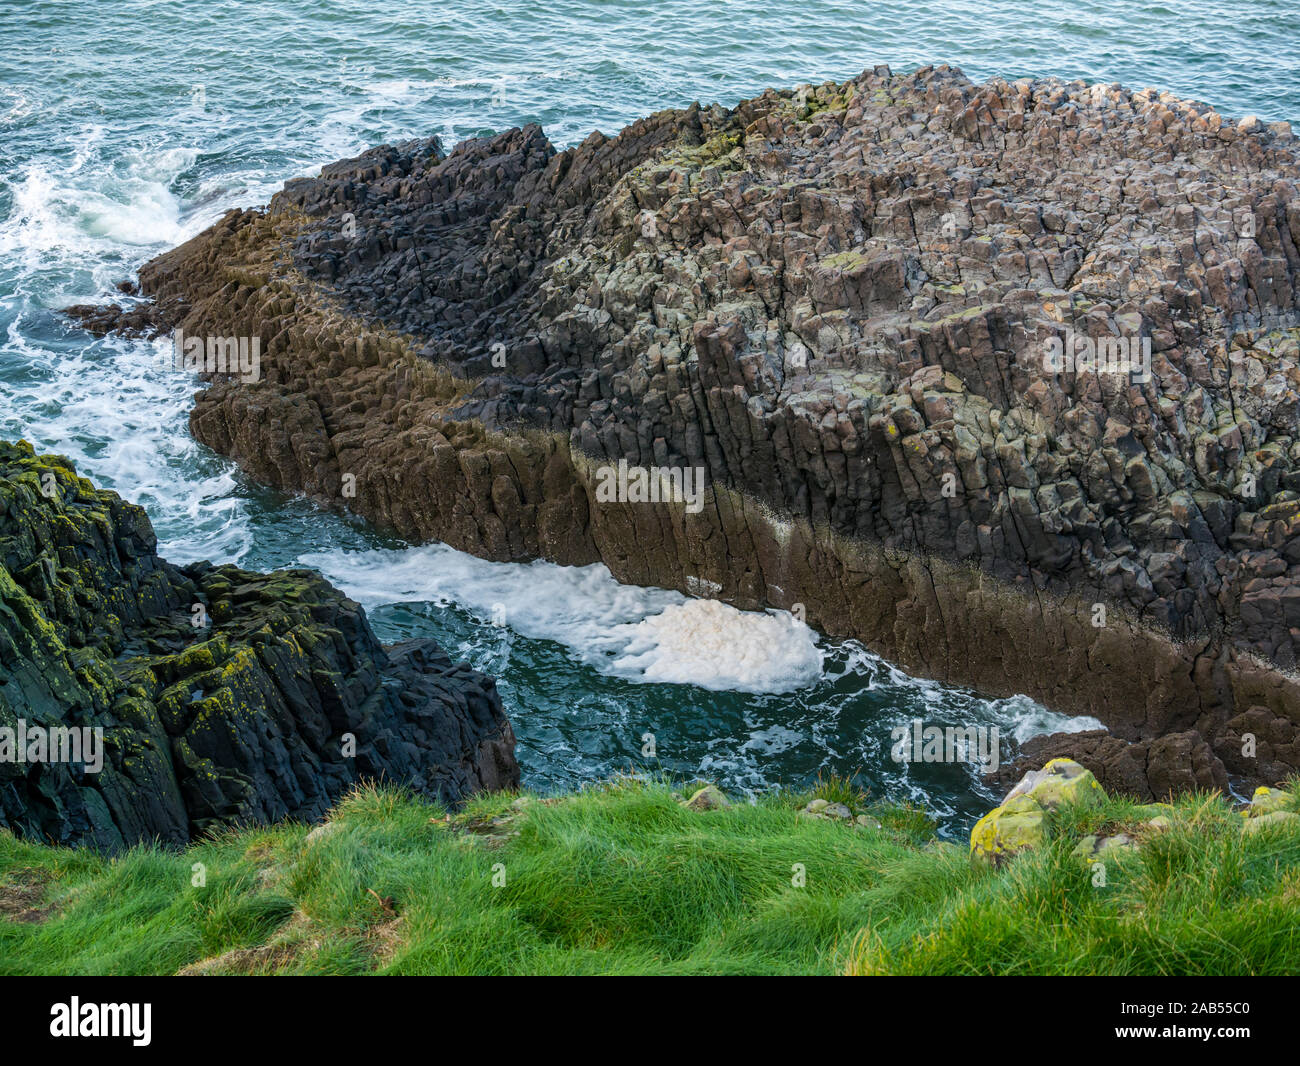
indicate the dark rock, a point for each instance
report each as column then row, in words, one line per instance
column 1148, row 770
column 839, row 308
column 249, row 717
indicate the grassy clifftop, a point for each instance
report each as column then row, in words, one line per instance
column 625, row 879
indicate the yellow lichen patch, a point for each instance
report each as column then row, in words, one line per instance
column 1060, row 781
column 1017, row 825
column 1267, row 801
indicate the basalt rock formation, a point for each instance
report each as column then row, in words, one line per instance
column 224, row 697
column 837, row 302
column 1170, row 765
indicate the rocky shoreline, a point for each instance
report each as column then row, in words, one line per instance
column 203, row 697
column 840, row 303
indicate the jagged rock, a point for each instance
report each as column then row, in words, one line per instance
column 1145, row 770
column 838, row 306
column 249, row 716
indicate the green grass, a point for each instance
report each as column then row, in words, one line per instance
column 622, row 879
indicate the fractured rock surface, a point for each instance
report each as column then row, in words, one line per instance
column 836, row 302
column 240, row 720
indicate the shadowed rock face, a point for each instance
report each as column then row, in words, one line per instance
column 838, row 304
column 240, row 720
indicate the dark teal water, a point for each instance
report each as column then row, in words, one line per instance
column 128, row 127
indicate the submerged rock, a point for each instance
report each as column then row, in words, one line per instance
column 1002, row 379
column 222, row 697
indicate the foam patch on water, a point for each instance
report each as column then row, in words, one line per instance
column 1017, row 717
column 121, row 416
column 713, row 645
column 1021, row 718
column 641, row 634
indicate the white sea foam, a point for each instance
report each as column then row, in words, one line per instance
column 656, row 635
column 91, row 209
column 1022, row 718
column 642, row 634
column 713, row 645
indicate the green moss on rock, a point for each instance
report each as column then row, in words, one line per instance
column 242, row 720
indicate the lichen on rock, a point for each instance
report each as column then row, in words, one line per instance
column 277, row 701
column 1010, row 828
column 1060, row 781
column 1021, row 821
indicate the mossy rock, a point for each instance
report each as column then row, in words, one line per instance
column 708, row 798
column 237, row 722
column 1267, row 801
column 1094, row 848
column 1060, row 781
column 1287, row 821
column 1017, row 825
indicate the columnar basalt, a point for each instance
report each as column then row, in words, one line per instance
column 847, row 305
column 222, row 697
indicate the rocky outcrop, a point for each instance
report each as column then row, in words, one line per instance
column 1027, row 818
column 141, row 701
column 1001, row 379
column 1147, row 770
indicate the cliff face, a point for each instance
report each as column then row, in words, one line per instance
column 1001, row 379
column 224, row 697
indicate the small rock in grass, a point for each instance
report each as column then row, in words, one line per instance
column 321, row 832
column 1268, row 801
column 1274, row 820
column 1098, row 847
column 709, row 798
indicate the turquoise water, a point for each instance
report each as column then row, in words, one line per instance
column 128, row 127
